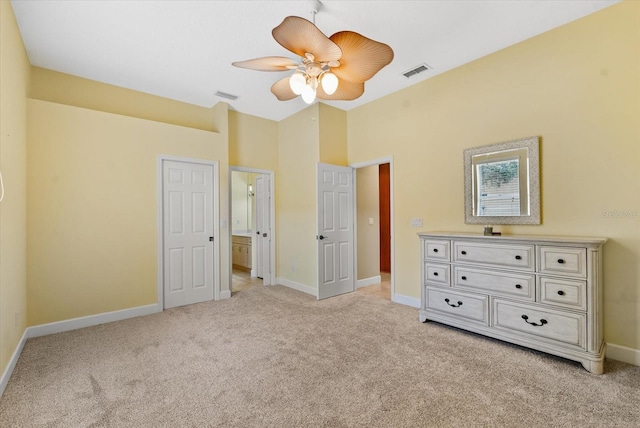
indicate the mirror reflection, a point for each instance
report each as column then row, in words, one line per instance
column 501, row 183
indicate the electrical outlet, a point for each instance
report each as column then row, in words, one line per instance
column 416, row 222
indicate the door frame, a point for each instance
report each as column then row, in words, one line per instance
column 160, row 221
column 364, row 164
column 272, row 220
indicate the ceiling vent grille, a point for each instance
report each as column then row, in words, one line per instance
column 415, row 70
column 227, row 96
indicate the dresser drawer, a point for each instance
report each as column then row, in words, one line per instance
column 437, row 250
column 437, row 274
column 565, row 327
column 470, row 306
column 511, row 256
column 563, row 261
column 568, row 293
column 494, row 282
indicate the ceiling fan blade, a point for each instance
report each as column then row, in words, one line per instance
column 361, row 58
column 346, row 91
column 300, row 36
column 267, row 63
column 282, row 90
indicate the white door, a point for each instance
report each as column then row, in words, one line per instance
column 263, row 228
column 335, row 231
column 187, row 232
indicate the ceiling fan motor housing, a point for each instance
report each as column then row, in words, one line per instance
column 314, row 69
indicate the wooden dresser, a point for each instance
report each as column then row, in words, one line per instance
column 542, row 292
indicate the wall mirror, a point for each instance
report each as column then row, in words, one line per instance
column 502, row 183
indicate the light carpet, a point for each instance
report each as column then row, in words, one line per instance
column 275, row 357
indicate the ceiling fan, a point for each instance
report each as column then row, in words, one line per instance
column 330, row 68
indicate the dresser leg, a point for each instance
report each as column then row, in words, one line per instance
column 595, row 367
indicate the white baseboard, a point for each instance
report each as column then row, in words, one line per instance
column 624, row 354
column 297, row 286
column 4, row 380
column 225, row 294
column 369, row 281
column 91, row 320
column 406, row 300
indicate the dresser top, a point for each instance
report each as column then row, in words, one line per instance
column 558, row 239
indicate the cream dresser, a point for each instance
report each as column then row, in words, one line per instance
column 541, row 292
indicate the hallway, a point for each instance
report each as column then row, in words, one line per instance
column 243, row 280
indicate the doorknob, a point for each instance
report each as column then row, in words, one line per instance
column 258, row 233
column 320, row 237
column 211, row 238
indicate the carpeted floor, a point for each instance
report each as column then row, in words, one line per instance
column 274, row 357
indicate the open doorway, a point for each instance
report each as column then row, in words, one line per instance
column 374, row 229
column 252, row 227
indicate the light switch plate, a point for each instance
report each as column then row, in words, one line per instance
column 416, row 222
column 370, row 221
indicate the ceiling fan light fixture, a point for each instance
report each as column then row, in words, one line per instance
column 329, row 83
column 340, row 64
column 308, row 94
column 297, row 82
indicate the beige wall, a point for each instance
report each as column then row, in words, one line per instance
column 298, row 154
column 578, row 88
column 253, row 142
column 368, row 206
column 92, row 187
column 333, row 135
column 14, row 83
column 49, row 85
column 316, row 134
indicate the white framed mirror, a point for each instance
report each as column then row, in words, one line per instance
column 502, row 183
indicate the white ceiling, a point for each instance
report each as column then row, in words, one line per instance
column 183, row 49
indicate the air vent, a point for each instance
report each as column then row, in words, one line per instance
column 416, row 70
column 227, row 96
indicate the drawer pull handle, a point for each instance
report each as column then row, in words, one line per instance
column 435, row 274
column 526, row 319
column 561, row 293
column 464, row 253
column 518, row 257
column 518, row 286
column 561, row 261
column 435, row 250
column 453, row 305
column 464, row 278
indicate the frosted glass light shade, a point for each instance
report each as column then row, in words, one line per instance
column 297, row 83
column 329, row 83
column 308, row 94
